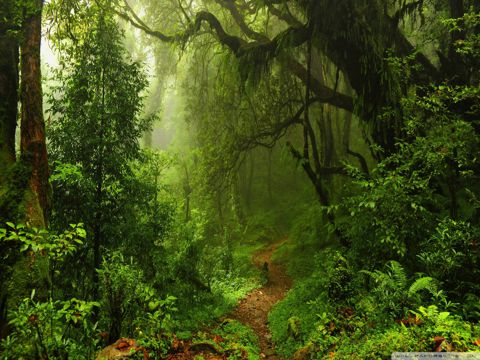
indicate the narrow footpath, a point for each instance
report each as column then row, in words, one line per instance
column 254, row 308
column 251, row 311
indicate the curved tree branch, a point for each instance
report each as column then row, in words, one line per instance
column 285, row 16
column 240, row 47
column 239, row 19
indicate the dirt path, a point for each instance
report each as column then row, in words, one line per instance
column 253, row 310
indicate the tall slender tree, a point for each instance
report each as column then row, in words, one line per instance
column 97, row 127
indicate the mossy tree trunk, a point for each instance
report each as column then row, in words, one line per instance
column 8, row 123
column 9, row 95
column 33, row 146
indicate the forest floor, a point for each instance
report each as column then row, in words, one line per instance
column 252, row 310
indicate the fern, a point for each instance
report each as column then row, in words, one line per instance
column 379, row 277
column 424, row 283
column 398, row 275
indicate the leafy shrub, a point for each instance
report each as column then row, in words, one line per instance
column 154, row 327
column 340, row 287
column 450, row 250
column 52, row 329
column 132, row 306
column 392, row 292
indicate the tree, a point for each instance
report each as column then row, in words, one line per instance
column 20, row 33
column 33, row 144
column 24, row 188
column 8, row 90
column 353, row 39
column 97, row 127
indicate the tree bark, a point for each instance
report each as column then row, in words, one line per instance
column 33, row 145
column 9, row 100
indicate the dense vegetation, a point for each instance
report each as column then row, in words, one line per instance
column 149, row 148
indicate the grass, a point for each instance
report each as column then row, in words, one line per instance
column 304, row 303
column 239, row 339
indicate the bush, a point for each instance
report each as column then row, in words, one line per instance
column 130, row 306
column 52, row 329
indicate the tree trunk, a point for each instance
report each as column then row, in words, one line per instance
column 269, row 177
column 33, row 146
column 458, row 69
column 10, row 198
column 457, row 8
column 99, row 191
column 9, row 100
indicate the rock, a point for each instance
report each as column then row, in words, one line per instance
column 122, row 349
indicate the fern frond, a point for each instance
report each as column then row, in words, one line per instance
column 398, row 275
column 380, row 278
column 424, row 283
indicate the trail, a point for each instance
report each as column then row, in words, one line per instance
column 254, row 308
column 251, row 311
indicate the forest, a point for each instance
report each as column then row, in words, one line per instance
column 239, row 179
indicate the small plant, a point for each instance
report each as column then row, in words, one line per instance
column 154, row 327
column 459, row 334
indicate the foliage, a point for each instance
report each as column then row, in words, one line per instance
column 392, row 292
column 376, row 102
column 450, row 249
column 48, row 328
column 44, row 252
column 52, row 329
column 41, row 241
column 130, row 305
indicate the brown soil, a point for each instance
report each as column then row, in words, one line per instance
column 253, row 310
